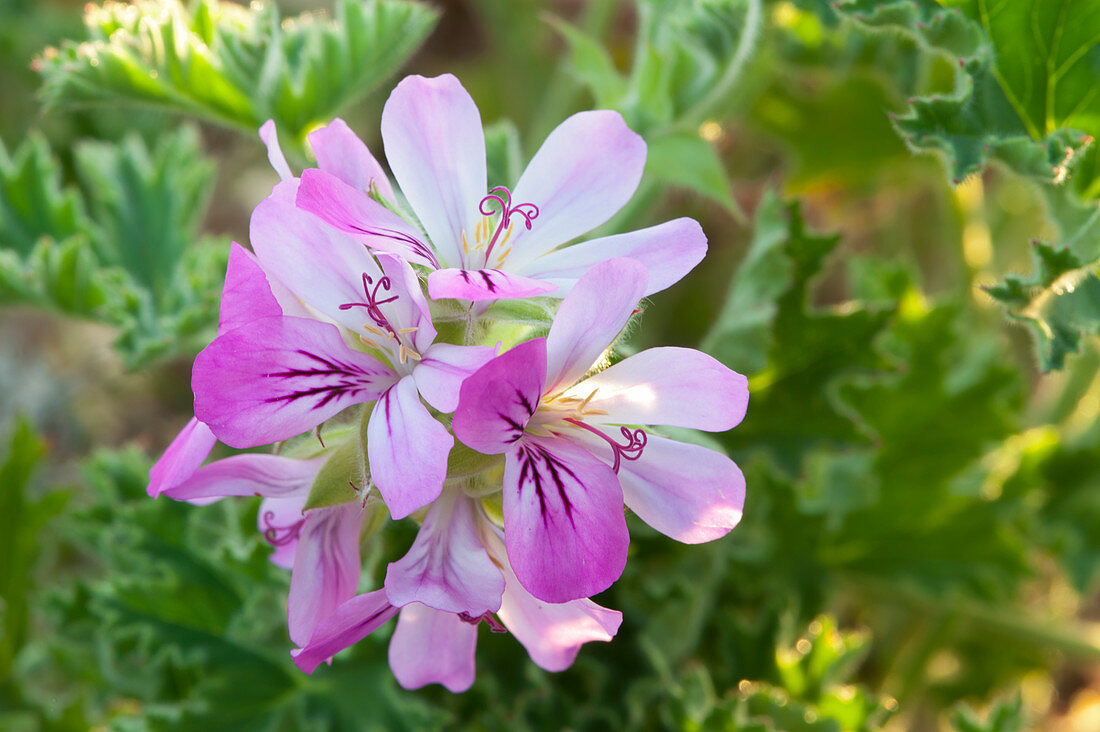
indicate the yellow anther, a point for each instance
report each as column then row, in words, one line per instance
column 465, row 244
column 413, row 329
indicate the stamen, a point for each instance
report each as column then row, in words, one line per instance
column 500, row 199
column 632, row 450
column 488, row 618
column 373, row 304
column 280, row 535
column 465, row 244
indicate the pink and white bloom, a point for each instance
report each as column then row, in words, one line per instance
column 490, row 244
column 432, row 645
column 361, row 333
column 574, row 451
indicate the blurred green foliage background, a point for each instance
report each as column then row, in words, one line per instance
column 921, row 542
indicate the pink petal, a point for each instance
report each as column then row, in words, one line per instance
column 407, row 450
column 270, row 476
column 680, row 387
column 685, row 491
column 278, row 377
column 353, row 621
column 433, row 647
column 270, row 139
column 326, row 567
column 447, row 567
column 246, row 295
column 669, row 251
column 339, row 151
column 590, row 318
column 353, row 211
column 496, row 401
column 483, row 284
column 563, row 519
column 587, row 169
column 434, row 143
column 443, row 368
column 280, row 521
column 551, row 633
column 182, row 458
column 320, row 265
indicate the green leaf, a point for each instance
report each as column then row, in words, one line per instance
column 233, row 65
column 124, row 249
column 929, row 23
column 591, row 64
column 689, row 55
column 1060, row 301
column 33, row 203
column 979, row 124
column 1007, row 715
column 792, row 352
column 688, row 161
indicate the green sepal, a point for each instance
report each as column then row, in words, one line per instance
column 464, row 463
column 333, row 485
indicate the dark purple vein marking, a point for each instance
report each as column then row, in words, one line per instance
column 529, row 456
column 351, row 380
column 417, row 246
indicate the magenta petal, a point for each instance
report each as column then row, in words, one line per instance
column 483, row 284
column 669, row 251
column 246, row 295
column 434, row 143
column 270, row 476
column 551, row 633
column 182, row 458
column 270, row 139
column 433, row 647
column 496, row 401
column 353, row 211
column 326, row 567
column 353, row 621
column 280, row 521
column 278, row 377
column 407, row 449
column 563, row 520
column 680, row 387
column 589, row 319
column 687, row 492
column 339, row 151
column 587, row 169
column 447, row 567
column 443, row 368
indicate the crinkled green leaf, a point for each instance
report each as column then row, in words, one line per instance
column 122, row 249
column 929, row 23
column 1060, row 301
column 689, row 55
column 791, row 351
column 235, row 65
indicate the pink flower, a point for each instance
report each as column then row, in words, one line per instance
column 573, row 449
column 490, row 244
column 436, row 645
column 284, row 370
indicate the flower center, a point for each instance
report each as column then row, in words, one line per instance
column 381, row 327
column 492, row 622
column 486, row 236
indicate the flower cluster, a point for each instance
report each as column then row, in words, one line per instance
column 455, row 311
